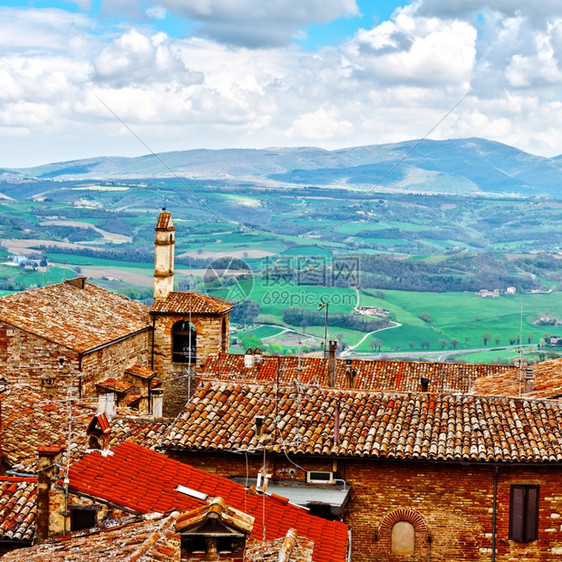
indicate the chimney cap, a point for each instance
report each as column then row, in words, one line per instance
column 49, row 450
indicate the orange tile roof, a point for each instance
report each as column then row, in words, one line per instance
column 184, row 302
column 79, row 319
column 114, row 385
column 146, row 481
column 31, row 420
column 402, row 376
column 140, row 372
column 548, row 382
column 164, row 221
column 17, row 508
column 444, row 427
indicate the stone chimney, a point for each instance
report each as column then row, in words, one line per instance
column 78, row 282
column 332, row 348
column 164, row 255
column 47, row 475
column 529, row 380
column 350, row 374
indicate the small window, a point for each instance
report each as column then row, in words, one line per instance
column 320, row 477
column 524, row 513
column 184, row 342
column 403, row 538
column 82, row 518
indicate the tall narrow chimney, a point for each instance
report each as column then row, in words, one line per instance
column 47, row 474
column 529, row 380
column 332, row 347
column 164, row 255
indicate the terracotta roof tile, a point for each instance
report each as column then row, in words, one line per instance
column 547, row 381
column 165, row 221
column 140, row 372
column 152, row 539
column 146, row 481
column 79, row 319
column 17, row 509
column 184, row 302
column 402, row 376
column 31, row 420
column 221, row 416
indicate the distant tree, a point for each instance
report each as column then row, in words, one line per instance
column 443, row 343
column 426, row 317
column 380, row 294
column 486, row 337
column 425, row 345
column 412, row 345
column 454, row 343
column 497, row 339
column 376, row 344
column 529, row 337
column 397, row 347
column 245, row 312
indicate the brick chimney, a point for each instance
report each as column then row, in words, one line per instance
column 332, row 347
column 47, row 475
column 164, row 255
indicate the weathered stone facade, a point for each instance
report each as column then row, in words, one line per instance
column 35, row 361
column 212, row 337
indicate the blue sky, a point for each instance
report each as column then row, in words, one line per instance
column 247, row 73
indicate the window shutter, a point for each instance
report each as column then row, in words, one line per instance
column 517, row 514
column 532, row 513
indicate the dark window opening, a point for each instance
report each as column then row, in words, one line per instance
column 82, row 519
column 184, row 342
column 524, row 513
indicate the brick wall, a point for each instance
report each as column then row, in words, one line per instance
column 449, row 505
column 210, row 339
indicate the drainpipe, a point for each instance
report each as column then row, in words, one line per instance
column 494, row 513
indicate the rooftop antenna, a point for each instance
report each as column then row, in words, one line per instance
column 520, row 345
column 325, row 306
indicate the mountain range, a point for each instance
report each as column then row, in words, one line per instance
column 458, row 166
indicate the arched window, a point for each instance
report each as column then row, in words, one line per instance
column 184, row 342
column 403, row 538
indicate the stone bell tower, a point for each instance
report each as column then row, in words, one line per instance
column 188, row 327
column 164, row 255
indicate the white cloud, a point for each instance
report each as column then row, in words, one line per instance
column 391, row 82
column 320, row 125
column 257, row 24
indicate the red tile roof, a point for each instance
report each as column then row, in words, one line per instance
column 221, row 416
column 182, row 303
column 146, row 481
column 79, row 319
column 547, row 381
column 17, row 509
column 402, row 376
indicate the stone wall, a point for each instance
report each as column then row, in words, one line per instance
column 211, row 338
column 29, row 359
column 111, row 361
